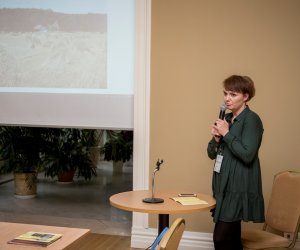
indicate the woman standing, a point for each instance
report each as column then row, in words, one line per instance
column 236, row 183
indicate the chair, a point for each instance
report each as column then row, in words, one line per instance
column 172, row 237
column 281, row 227
column 158, row 239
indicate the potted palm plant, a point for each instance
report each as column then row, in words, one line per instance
column 21, row 148
column 118, row 148
column 66, row 153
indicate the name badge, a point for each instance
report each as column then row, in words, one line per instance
column 218, row 163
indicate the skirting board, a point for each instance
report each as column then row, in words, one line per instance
column 144, row 237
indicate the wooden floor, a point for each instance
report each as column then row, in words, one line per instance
column 94, row 241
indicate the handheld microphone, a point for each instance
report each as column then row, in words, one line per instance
column 223, row 108
column 222, row 111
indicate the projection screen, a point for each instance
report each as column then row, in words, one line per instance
column 67, row 63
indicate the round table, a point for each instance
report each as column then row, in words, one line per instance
column 133, row 201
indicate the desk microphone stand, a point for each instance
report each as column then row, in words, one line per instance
column 153, row 199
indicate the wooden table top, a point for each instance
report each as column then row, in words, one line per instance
column 133, row 201
column 8, row 231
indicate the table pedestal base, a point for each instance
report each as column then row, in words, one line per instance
column 163, row 221
column 153, row 200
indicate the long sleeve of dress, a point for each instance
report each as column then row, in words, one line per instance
column 212, row 149
column 245, row 146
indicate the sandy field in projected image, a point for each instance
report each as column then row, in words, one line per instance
column 53, row 59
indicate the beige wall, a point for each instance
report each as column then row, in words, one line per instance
column 195, row 45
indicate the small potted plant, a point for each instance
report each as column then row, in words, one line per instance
column 21, row 148
column 118, row 148
column 67, row 152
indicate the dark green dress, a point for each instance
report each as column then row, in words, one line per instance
column 237, row 188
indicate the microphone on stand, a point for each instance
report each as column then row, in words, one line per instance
column 152, row 199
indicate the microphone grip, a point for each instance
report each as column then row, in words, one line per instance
column 222, row 114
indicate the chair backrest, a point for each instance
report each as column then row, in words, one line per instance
column 171, row 239
column 283, row 211
column 158, row 238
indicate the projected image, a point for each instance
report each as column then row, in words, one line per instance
column 53, row 44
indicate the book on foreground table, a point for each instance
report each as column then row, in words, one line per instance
column 36, row 238
column 189, row 200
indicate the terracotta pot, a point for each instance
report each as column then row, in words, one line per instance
column 66, row 177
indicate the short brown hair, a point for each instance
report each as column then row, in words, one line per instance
column 240, row 84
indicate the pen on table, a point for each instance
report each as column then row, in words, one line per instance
column 187, row 195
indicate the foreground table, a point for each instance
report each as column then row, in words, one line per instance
column 133, row 201
column 9, row 231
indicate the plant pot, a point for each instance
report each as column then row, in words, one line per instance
column 25, row 185
column 95, row 155
column 66, row 177
column 117, row 167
